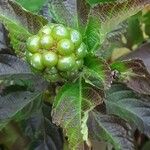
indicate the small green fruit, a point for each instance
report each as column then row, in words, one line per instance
column 66, row 63
column 81, row 52
column 36, row 61
column 65, row 47
column 76, row 37
column 46, row 42
column 33, row 44
column 28, row 56
column 50, row 59
column 46, row 30
column 60, row 32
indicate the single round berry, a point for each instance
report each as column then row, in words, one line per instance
column 46, row 30
column 33, row 44
column 46, row 41
column 65, row 47
column 28, row 56
column 60, row 32
column 79, row 63
column 76, row 37
column 50, row 59
column 36, row 61
column 81, row 51
column 66, row 63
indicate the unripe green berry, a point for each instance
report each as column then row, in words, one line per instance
column 33, row 44
column 28, row 56
column 46, row 41
column 66, row 63
column 81, row 51
column 50, row 59
column 46, row 30
column 65, row 47
column 75, row 37
column 57, row 52
column 36, row 61
column 60, row 32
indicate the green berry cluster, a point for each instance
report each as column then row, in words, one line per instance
column 56, row 48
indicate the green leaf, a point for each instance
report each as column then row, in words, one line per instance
column 145, row 19
column 134, row 74
column 134, row 32
column 34, row 5
column 111, row 14
column 70, row 110
column 20, row 23
column 97, row 72
column 123, row 102
column 92, row 34
column 111, row 129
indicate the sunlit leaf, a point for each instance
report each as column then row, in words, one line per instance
column 70, row 111
column 97, row 72
column 92, row 34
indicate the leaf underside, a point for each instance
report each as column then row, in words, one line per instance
column 134, row 74
column 111, row 129
column 123, row 102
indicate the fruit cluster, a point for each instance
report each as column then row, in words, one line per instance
column 56, row 49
